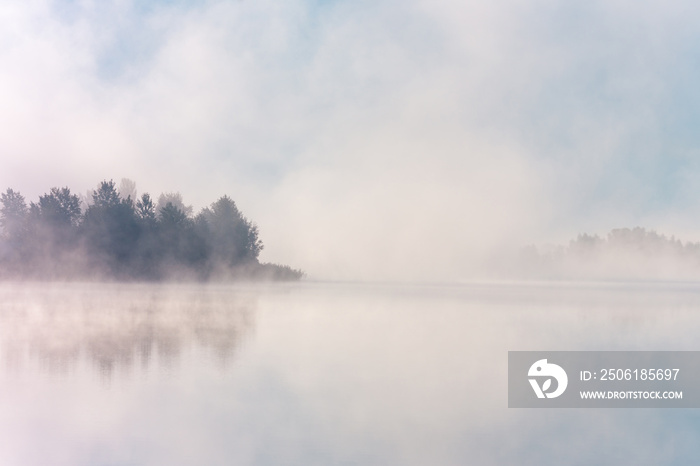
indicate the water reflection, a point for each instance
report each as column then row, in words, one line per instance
column 119, row 326
column 333, row 374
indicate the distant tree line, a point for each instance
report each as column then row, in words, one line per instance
column 109, row 234
column 624, row 253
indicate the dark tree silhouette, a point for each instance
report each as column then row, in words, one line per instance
column 58, row 208
column 13, row 214
column 106, row 195
column 234, row 239
column 13, row 223
column 146, row 210
column 125, row 239
column 51, row 233
column 111, row 228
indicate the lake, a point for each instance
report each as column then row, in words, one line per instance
column 324, row 373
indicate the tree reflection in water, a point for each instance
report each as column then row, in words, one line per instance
column 119, row 326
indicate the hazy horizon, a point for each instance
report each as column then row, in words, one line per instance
column 377, row 140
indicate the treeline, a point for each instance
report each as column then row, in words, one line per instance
column 624, row 253
column 111, row 235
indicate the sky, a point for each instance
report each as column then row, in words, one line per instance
column 368, row 140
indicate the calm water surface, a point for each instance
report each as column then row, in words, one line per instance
column 323, row 374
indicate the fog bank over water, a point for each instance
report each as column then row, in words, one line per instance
column 323, row 373
column 622, row 254
column 119, row 328
column 107, row 235
column 395, row 140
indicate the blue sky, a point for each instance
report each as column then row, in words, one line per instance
column 384, row 139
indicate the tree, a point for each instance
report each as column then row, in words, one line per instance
column 13, row 222
column 59, row 208
column 149, row 249
column 122, row 236
column 234, row 239
column 51, row 232
column 106, row 195
column 180, row 240
column 145, row 209
column 172, row 217
column 55, row 218
column 13, row 213
column 127, row 189
column 111, row 227
column 176, row 200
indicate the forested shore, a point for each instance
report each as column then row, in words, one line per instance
column 622, row 254
column 111, row 233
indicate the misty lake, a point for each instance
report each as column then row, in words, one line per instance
column 323, row 373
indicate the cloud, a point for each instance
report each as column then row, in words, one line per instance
column 389, row 140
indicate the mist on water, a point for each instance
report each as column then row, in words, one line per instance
column 119, row 328
column 113, row 233
column 399, row 141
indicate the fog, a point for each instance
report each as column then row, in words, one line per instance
column 119, row 328
column 106, row 235
column 621, row 254
column 405, row 155
column 322, row 373
column 111, row 237
column 369, row 140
